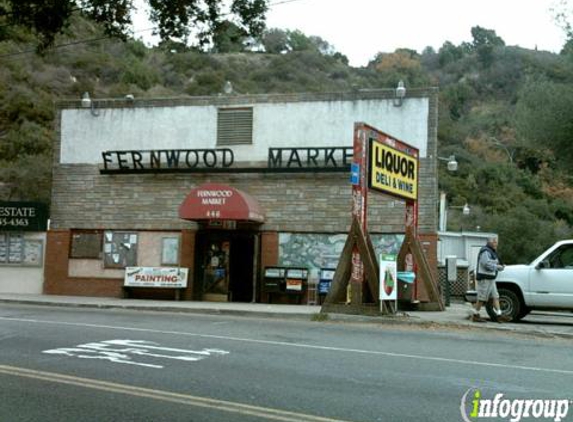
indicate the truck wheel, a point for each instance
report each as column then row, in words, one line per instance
column 524, row 312
column 509, row 303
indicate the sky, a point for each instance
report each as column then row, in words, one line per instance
column 360, row 29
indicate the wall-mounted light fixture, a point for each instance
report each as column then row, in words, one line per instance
column 443, row 212
column 228, row 88
column 86, row 100
column 399, row 94
column 452, row 163
column 88, row 103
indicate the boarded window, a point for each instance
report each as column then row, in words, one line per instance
column 235, row 126
column 86, row 244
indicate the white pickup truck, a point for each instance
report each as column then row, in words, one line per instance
column 546, row 283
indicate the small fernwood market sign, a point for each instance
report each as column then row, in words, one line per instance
column 318, row 159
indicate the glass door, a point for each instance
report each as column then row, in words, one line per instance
column 216, row 270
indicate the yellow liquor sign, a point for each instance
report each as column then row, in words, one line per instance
column 393, row 171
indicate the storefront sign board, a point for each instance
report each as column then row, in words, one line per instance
column 23, row 216
column 163, row 277
column 393, row 167
column 388, row 277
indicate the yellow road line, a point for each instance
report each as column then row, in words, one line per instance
column 185, row 399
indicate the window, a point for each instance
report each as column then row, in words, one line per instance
column 562, row 257
column 235, row 126
column 86, row 244
column 119, row 249
column 170, row 251
column 16, row 249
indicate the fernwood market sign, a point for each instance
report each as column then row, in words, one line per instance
column 320, row 159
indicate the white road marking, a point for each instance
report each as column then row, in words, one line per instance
column 265, row 413
column 121, row 351
column 298, row 345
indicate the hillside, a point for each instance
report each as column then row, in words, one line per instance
column 505, row 112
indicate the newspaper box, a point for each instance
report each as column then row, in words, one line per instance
column 296, row 282
column 274, row 280
column 325, row 282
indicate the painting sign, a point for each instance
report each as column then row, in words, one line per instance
column 164, row 277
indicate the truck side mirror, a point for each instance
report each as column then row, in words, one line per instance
column 543, row 264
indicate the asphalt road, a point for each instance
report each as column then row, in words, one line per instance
column 61, row 364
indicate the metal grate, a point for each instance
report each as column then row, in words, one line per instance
column 234, row 126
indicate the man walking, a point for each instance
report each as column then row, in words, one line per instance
column 488, row 265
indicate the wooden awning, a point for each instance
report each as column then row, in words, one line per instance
column 214, row 201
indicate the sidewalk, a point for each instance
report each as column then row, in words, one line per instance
column 455, row 316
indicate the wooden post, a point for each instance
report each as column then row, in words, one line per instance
column 359, row 212
column 412, row 245
column 359, row 240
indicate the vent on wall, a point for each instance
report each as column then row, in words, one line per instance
column 234, row 126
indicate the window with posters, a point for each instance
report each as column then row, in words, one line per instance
column 119, row 249
column 17, row 249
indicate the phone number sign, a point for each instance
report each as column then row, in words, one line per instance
column 23, row 216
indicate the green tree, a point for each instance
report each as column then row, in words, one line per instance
column 449, row 53
column 544, row 116
column 229, row 38
column 403, row 64
column 298, row 41
column 484, row 43
column 175, row 19
column 275, row 41
column 482, row 37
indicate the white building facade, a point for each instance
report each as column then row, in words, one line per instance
column 224, row 186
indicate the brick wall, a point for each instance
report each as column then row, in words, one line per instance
column 56, row 279
column 269, row 257
column 58, row 282
column 187, row 260
column 82, row 198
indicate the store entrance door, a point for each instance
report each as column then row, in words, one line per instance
column 224, row 263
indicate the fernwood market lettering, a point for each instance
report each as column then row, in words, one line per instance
column 168, row 159
column 214, row 197
column 310, row 157
column 195, row 160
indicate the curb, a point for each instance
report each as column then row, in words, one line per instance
column 400, row 320
column 410, row 320
column 173, row 309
